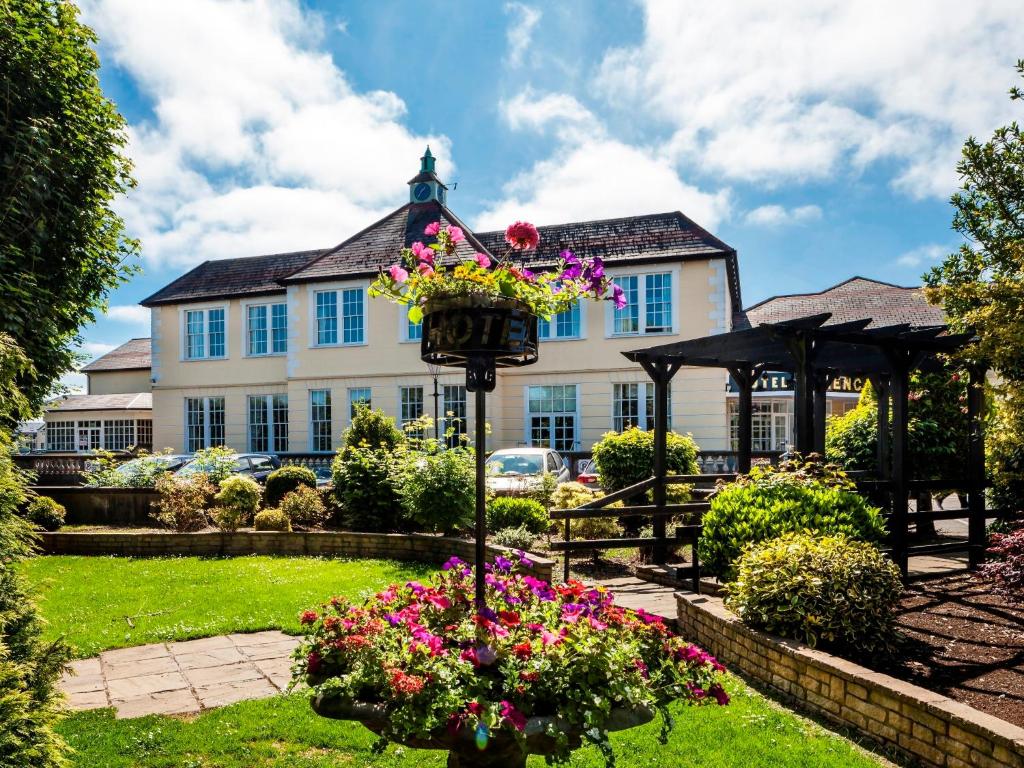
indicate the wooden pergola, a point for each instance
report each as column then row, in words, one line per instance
column 815, row 352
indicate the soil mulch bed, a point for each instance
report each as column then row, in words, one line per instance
column 965, row 642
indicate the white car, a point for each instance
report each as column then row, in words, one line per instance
column 513, row 471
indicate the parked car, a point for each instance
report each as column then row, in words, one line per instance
column 324, row 476
column 588, row 475
column 513, row 471
column 255, row 465
column 169, row 462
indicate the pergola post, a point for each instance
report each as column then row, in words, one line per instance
column 745, row 378
column 822, row 381
column 900, row 386
column 661, row 373
column 976, row 468
column 803, row 395
column 884, row 456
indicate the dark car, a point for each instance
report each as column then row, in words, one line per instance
column 255, row 465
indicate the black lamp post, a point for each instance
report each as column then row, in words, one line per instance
column 435, row 371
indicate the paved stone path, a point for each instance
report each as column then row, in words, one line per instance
column 182, row 678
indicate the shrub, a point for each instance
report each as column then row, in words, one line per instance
column 237, row 502
column 113, row 471
column 828, row 589
column 217, row 463
column 439, row 491
column 271, row 520
column 285, row 480
column 306, row 507
column 515, row 511
column 374, row 429
column 183, row 502
column 625, row 458
column 771, row 501
column 513, row 538
column 1006, row 570
column 572, row 495
column 367, row 483
column 46, row 513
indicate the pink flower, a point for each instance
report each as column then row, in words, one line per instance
column 308, row 617
column 422, row 252
column 513, row 715
column 522, row 236
column 425, row 269
column 432, row 228
column 455, row 234
column 719, row 693
column 398, row 274
column 481, row 260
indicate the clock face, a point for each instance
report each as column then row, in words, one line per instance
column 421, row 191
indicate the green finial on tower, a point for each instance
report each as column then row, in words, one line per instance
column 427, row 162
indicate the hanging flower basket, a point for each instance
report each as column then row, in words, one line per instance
column 539, row 670
column 461, row 328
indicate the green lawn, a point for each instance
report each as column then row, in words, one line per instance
column 284, row 733
column 98, row 603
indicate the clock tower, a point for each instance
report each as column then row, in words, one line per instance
column 425, row 186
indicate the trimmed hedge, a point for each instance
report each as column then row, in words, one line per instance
column 283, row 481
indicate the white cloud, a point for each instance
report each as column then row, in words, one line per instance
column 591, row 175
column 924, row 256
column 96, row 348
column 129, row 313
column 777, row 92
column 520, row 29
column 258, row 142
column 778, row 216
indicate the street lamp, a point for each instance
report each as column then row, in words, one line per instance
column 435, row 371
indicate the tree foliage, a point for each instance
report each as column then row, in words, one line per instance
column 62, row 164
column 981, row 286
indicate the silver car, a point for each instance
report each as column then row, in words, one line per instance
column 514, row 471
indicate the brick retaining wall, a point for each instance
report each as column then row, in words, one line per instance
column 396, row 546
column 102, row 506
column 928, row 726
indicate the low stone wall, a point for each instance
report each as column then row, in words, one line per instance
column 395, row 546
column 930, row 727
column 102, row 506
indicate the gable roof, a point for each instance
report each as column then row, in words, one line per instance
column 855, row 299
column 226, row 278
column 133, row 355
column 367, row 251
column 128, row 401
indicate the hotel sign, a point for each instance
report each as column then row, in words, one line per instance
column 781, row 381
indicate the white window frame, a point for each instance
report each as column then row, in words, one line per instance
column 329, row 405
column 581, row 335
column 527, row 414
column 404, row 326
column 402, row 389
column 348, row 399
column 183, row 313
column 69, row 433
column 269, row 305
column 207, row 431
column 645, row 391
column 271, row 423
column 641, row 277
column 338, row 289
column 461, row 424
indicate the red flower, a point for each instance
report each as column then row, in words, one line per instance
column 524, row 650
column 403, row 684
column 522, row 236
column 509, row 618
column 308, row 617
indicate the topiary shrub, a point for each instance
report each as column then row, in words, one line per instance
column 374, row 429
column 514, row 538
column 271, row 520
column 46, row 513
column 625, row 458
column 827, row 590
column 367, row 483
column 770, row 501
column 285, row 480
column 237, row 502
column 183, row 502
column 1006, row 569
column 515, row 511
column 439, row 491
column 306, row 507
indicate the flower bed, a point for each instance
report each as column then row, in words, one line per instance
column 420, row 665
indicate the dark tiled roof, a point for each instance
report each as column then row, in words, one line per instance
column 246, row 276
column 376, row 246
column 854, row 299
column 128, row 401
column 134, row 354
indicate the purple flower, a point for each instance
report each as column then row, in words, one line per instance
column 571, row 272
column 502, row 563
column 488, row 614
column 618, row 296
column 453, row 562
column 486, row 655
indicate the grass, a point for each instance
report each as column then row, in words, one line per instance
column 98, row 603
column 283, row 732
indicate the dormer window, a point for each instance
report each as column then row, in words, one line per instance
column 204, row 334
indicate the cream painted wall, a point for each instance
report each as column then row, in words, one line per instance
column 384, row 363
column 118, row 382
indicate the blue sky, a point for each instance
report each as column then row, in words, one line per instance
column 818, row 140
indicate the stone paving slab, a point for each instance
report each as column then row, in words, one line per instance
column 182, row 678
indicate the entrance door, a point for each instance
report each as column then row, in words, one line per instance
column 88, row 435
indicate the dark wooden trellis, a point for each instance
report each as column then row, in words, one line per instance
column 814, row 353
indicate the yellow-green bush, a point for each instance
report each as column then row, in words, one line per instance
column 271, row 520
column 237, row 501
column 306, row 507
column 45, row 512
